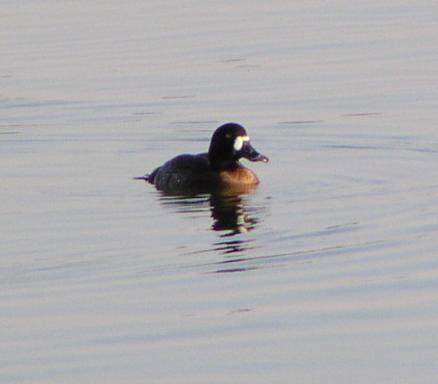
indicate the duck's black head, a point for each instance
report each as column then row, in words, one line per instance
column 229, row 143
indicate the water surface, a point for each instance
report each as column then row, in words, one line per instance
column 326, row 273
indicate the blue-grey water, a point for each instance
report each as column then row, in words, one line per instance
column 327, row 273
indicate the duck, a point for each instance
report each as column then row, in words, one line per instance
column 218, row 169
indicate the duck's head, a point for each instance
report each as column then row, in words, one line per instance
column 229, row 144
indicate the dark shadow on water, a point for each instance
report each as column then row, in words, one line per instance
column 228, row 211
column 231, row 213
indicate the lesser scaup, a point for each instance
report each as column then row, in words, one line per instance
column 218, row 169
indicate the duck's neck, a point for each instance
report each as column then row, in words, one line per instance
column 223, row 165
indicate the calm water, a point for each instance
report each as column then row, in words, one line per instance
column 327, row 273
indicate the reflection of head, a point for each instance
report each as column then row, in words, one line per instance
column 227, row 210
column 231, row 216
column 229, row 213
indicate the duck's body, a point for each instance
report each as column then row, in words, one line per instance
column 182, row 172
column 194, row 172
column 218, row 169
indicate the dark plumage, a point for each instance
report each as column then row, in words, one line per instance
column 218, row 169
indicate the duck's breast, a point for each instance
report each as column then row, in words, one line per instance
column 239, row 176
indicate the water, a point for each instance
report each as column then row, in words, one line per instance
column 327, row 273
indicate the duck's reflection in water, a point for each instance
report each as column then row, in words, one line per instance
column 231, row 213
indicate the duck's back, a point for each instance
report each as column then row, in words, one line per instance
column 183, row 172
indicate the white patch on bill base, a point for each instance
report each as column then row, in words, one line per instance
column 238, row 142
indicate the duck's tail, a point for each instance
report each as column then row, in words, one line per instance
column 145, row 178
column 150, row 177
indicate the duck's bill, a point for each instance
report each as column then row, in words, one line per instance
column 252, row 155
